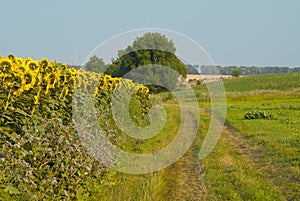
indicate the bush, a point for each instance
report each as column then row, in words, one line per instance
column 236, row 73
column 259, row 115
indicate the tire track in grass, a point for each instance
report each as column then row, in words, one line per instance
column 276, row 174
column 185, row 178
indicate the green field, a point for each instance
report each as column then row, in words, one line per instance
column 286, row 81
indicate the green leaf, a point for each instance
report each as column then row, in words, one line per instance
column 41, row 129
column 18, row 110
column 12, row 190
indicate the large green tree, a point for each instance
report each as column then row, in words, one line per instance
column 150, row 49
column 95, row 64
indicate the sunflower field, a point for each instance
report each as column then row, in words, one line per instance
column 41, row 156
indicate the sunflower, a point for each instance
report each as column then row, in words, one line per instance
column 50, row 80
column 64, row 66
column 39, row 80
column 19, row 61
column 114, row 83
column 5, row 65
column 30, row 78
column 73, row 74
column 28, row 60
column 32, row 65
column 19, row 83
column 11, row 57
column 18, row 68
column 72, row 71
column 43, row 63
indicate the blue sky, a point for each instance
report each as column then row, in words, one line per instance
column 233, row 32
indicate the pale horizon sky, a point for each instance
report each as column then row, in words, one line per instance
column 233, row 32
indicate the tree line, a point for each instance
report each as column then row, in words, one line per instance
column 244, row 70
column 154, row 49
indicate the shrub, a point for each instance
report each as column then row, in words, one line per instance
column 235, row 73
column 259, row 115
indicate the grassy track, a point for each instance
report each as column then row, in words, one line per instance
column 235, row 171
column 183, row 180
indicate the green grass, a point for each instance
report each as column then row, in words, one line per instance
column 148, row 186
column 256, row 159
column 229, row 176
column 171, row 183
column 138, row 187
column 278, row 140
column 287, row 81
column 253, row 159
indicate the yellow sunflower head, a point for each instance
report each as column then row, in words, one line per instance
column 30, row 78
column 32, row 65
column 19, row 61
column 11, row 57
column 44, row 63
column 19, row 83
column 64, row 66
column 51, row 80
column 5, row 65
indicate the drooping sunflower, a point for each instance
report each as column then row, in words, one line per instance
column 43, row 63
column 11, row 57
column 19, row 61
column 32, row 65
column 19, row 83
column 5, row 65
column 18, row 68
column 30, row 78
column 58, row 75
column 50, row 80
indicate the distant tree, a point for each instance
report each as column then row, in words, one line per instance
column 149, row 50
column 95, row 64
column 152, row 48
column 236, row 73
